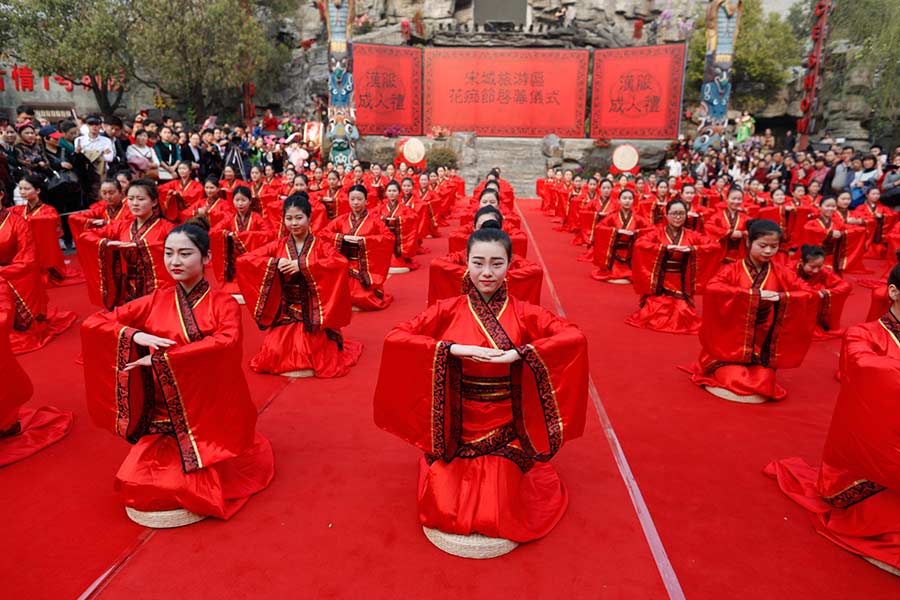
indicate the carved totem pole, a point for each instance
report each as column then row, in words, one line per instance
column 341, row 128
column 722, row 20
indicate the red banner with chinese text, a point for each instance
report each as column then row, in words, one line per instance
column 637, row 92
column 498, row 92
column 388, row 89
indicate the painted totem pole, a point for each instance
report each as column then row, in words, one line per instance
column 341, row 128
column 722, row 20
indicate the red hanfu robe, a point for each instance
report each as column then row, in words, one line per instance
column 227, row 188
column 854, row 497
column 336, row 202
column 33, row 323
column 369, row 260
column 375, row 186
column 23, row 431
column 118, row 275
column 653, row 209
column 176, row 195
column 744, row 339
column 561, row 192
column 189, row 415
column 589, row 221
column 430, row 216
column 459, row 238
column 230, row 239
column 833, row 292
column 217, row 210
column 403, row 222
column 43, row 220
column 303, row 312
column 544, row 188
column 488, row 431
column 721, row 225
column 791, row 222
column 668, row 280
column 878, row 223
column 612, row 251
column 448, row 276
column 98, row 210
column 841, row 254
column 580, row 216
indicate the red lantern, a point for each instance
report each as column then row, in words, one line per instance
column 803, row 125
column 638, row 29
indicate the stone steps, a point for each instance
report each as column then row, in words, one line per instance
column 519, row 159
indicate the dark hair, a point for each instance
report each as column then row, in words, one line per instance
column 36, row 181
column 243, row 190
column 298, row 200
column 809, row 252
column 736, row 188
column 487, row 191
column 393, row 183
column 112, row 181
column 358, row 188
column 146, row 184
column 65, row 126
column 491, row 224
column 409, row 179
column 488, row 210
column 114, row 121
column 24, row 108
column 490, row 235
column 826, row 198
column 675, row 201
column 197, row 230
column 893, row 277
column 626, row 191
column 212, row 179
column 141, row 132
column 336, row 174
column 758, row 228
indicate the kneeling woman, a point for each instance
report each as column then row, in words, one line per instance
column 669, row 263
column 832, row 290
column 165, row 372
column 489, row 388
column 758, row 316
column 298, row 288
column 246, row 231
column 613, row 241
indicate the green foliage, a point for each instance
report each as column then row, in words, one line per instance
column 873, row 27
column 73, row 38
column 196, row 51
column 441, row 156
column 765, row 48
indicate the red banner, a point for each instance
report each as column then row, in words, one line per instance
column 496, row 92
column 388, row 89
column 637, row 92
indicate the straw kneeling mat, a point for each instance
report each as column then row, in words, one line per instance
column 732, row 397
column 469, row 546
column 163, row 519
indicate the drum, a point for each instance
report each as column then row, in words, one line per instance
column 625, row 159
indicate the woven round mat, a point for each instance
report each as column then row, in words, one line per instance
column 239, row 298
column 883, row 566
column 619, row 281
column 300, row 373
column 732, row 397
column 398, row 270
column 163, row 519
column 469, row 546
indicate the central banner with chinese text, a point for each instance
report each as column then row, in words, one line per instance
column 497, row 92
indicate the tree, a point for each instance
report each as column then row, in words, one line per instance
column 764, row 50
column 212, row 46
column 73, row 38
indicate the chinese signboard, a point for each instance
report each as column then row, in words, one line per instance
column 388, row 89
column 637, row 92
column 495, row 92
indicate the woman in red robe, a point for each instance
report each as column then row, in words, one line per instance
column 878, row 222
column 297, row 287
column 178, row 194
column 833, row 291
column 543, row 187
column 245, row 232
column 410, row 200
column 43, row 220
column 33, row 323
column 23, row 431
column 214, row 206
column 854, row 496
column 403, row 222
column 273, row 209
column 489, row 388
column 728, row 225
column 448, row 276
column 123, row 260
column 653, row 207
column 582, row 211
column 572, row 211
column 366, row 243
column 164, row 372
column 589, row 219
column 229, row 182
column 431, row 206
column 669, row 264
column 843, row 245
column 110, row 207
column 333, row 197
column 758, row 316
column 459, row 237
column 613, row 241
column 790, row 217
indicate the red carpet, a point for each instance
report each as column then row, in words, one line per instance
column 339, row 519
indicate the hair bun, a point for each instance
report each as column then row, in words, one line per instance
column 199, row 221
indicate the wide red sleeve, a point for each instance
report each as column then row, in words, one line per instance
column 446, row 277
column 647, row 262
column 260, row 282
column 326, row 271
column 864, row 437
column 16, row 389
column 525, row 279
column 46, row 229
column 835, row 295
column 375, row 251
